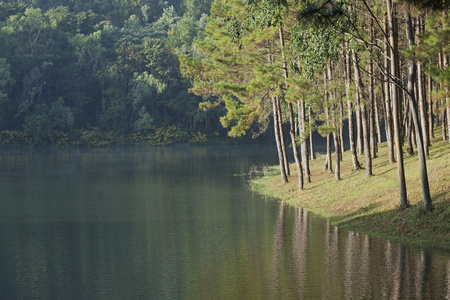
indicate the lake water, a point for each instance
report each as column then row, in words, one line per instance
column 179, row 223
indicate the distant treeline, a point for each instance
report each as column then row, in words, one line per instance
column 100, row 72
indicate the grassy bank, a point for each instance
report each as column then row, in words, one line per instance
column 370, row 205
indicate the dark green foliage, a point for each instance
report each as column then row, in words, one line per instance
column 430, row 4
column 111, row 65
column 45, row 121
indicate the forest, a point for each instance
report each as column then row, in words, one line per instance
column 380, row 66
column 95, row 73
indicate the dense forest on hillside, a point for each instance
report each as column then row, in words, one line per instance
column 379, row 65
column 100, row 72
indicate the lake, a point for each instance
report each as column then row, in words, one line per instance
column 179, row 223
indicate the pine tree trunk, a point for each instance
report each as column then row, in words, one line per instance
column 430, row 108
column 337, row 150
column 351, row 126
column 328, row 162
column 371, row 105
column 311, row 139
column 421, row 99
column 447, row 99
column 388, row 103
column 304, row 138
column 334, row 120
column 291, row 116
column 441, row 121
column 295, row 148
column 418, row 132
column 409, row 148
column 283, row 140
column 377, row 121
column 359, row 131
column 278, row 140
column 341, row 127
column 395, row 104
column 364, row 116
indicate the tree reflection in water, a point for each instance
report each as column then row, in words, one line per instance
column 324, row 262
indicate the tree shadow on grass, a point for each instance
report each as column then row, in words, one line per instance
column 411, row 225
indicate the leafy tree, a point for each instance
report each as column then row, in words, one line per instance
column 44, row 121
column 5, row 82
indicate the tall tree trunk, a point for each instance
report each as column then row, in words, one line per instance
column 303, row 138
column 337, row 151
column 443, row 120
column 295, row 148
column 442, row 102
column 341, row 127
column 351, row 133
column 421, row 99
column 359, row 131
column 291, row 116
column 447, row 98
column 279, row 134
column 377, row 121
column 430, row 108
column 283, row 140
column 311, row 139
column 409, row 133
column 395, row 105
column 334, row 121
column 371, row 105
column 387, row 94
column 364, row 117
column 328, row 162
column 418, row 132
column 278, row 140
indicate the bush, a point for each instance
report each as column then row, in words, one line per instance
column 14, row 138
column 93, row 137
column 159, row 136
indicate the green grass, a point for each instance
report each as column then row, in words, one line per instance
column 371, row 205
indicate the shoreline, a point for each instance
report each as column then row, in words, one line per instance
column 371, row 205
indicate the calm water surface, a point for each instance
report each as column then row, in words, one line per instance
column 178, row 223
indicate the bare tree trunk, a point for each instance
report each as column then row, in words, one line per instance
column 295, row 148
column 364, row 118
column 442, row 118
column 377, row 121
column 303, row 138
column 447, row 98
column 395, row 105
column 418, row 132
column 283, row 141
column 328, row 163
column 291, row 117
column 311, row 139
column 337, row 150
column 351, row 133
column 278, row 140
column 430, row 108
column 334, row 121
column 341, row 127
column 409, row 130
column 359, row 132
column 421, row 99
column 388, row 103
column 443, row 121
column 371, row 105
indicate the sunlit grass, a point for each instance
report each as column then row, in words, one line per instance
column 370, row 205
